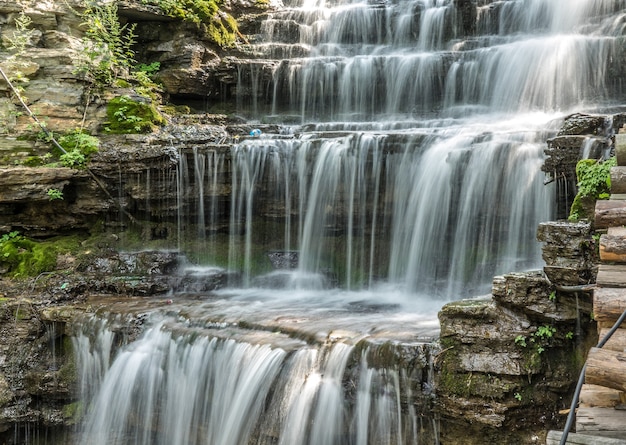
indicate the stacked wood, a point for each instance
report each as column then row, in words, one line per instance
column 617, row 342
column 601, row 412
column 595, row 395
column 613, row 247
column 554, row 438
column 612, row 275
column 601, row 422
column 608, row 304
column 620, row 148
column 607, row 368
column 618, row 180
column 610, row 213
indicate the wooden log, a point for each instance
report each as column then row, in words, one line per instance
column 611, row 275
column 617, row 231
column 610, row 213
column 554, row 438
column 607, row 368
column 608, row 304
column 594, row 395
column 618, row 180
column 620, row 149
column 613, row 248
column 617, row 342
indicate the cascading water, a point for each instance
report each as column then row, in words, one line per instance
column 182, row 384
column 423, row 171
column 412, row 177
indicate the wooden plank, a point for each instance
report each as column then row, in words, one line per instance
column 620, row 148
column 610, row 213
column 618, row 197
column 618, row 179
column 617, row 231
column 617, row 342
column 608, row 304
column 611, row 275
column 613, row 248
column 554, row 438
column 595, row 395
column 607, row 368
column 601, row 421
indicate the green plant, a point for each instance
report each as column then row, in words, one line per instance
column 54, row 194
column 521, row 341
column 17, row 41
column 569, row 335
column 108, row 52
column 594, row 182
column 545, row 332
column 552, row 296
column 73, row 159
column 518, row 396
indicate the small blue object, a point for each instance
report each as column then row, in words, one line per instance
column 255, row 132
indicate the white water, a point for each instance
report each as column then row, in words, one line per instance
column 176, row 385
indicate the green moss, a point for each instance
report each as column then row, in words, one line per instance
column 33, row 161
column 73, row 412
column 126, row 115
column 594, row 182
column 26, row 258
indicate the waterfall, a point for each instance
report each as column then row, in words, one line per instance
column 417, row 164
column 179, row 384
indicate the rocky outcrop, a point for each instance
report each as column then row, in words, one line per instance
column 510, row 361
column 581, row 136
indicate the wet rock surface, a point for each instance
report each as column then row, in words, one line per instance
column 510, row 360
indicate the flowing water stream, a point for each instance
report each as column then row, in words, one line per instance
column 406, row 173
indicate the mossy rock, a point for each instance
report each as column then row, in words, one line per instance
column 23, row 257
column 132, row 115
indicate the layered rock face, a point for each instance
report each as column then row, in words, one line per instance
column 510, row 361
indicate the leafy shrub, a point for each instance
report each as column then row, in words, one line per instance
column 78, row 146
column 108, row 52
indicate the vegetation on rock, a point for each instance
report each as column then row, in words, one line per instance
column 127, row 115
column 219, row 26
column 22, row 257
column 594, row 182
column 107, row 44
